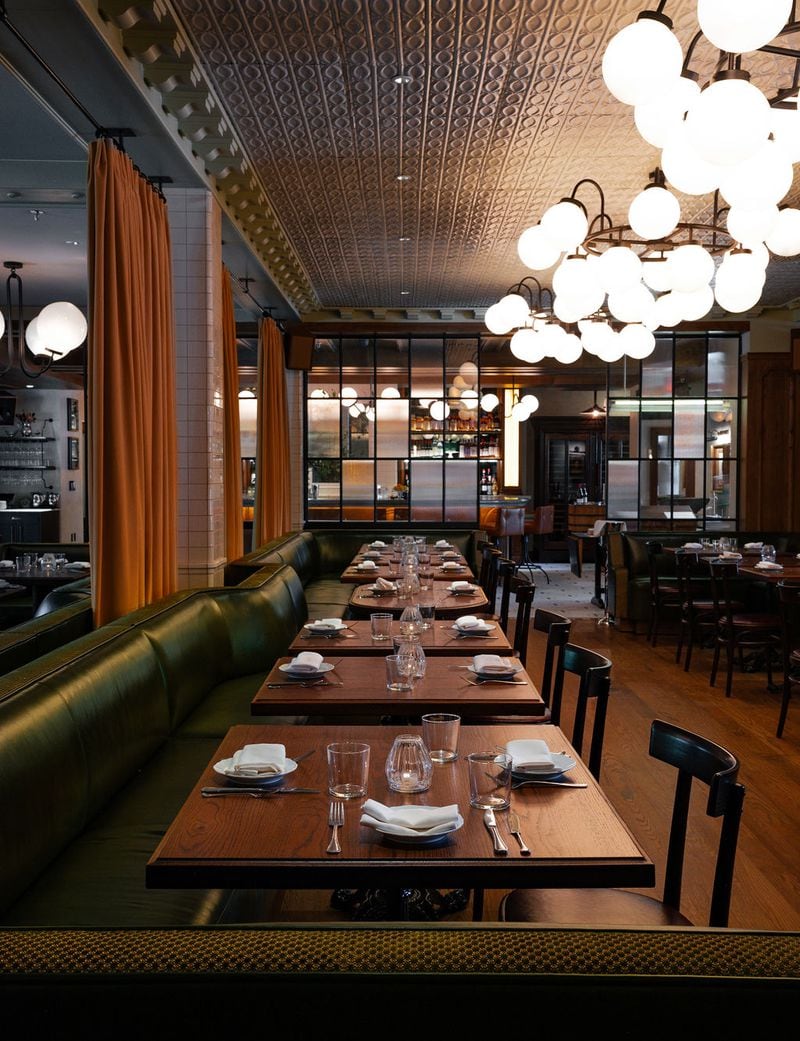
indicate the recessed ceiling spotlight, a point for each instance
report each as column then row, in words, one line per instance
column 403, row 177
column 405, row 292
column 71, row 242
column 401, row 79
column 404, row 238
column 28, row 386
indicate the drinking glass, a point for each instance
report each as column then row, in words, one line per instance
column 489, row 780
column 410, row 647
column 768, row 553
column 381, row 626
column 399, row 670
column 724, row 545
column 348, row 769
column 49, row 561
column 427, row 614
column 408, row 765
column 411, row 623
column 440, row 735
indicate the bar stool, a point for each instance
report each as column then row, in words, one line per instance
column 538, row 524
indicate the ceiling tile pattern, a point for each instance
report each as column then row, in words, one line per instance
column 504, row 112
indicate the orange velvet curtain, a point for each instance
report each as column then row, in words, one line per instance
column 131, row 389
column 232, row 453
column 273, row 462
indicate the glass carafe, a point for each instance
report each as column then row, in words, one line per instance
column 410, row 647
column 408, row 765
column 411, row 623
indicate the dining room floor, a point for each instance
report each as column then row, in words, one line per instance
column 647, row 684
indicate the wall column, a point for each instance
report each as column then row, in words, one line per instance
column 196, row 228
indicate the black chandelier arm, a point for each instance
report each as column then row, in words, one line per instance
column 16, row 317
column 522, row 286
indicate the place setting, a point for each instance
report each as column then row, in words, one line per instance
column 306, row 669
column 258, row 770
column 382, row 587
column 492, row 668
column 328, row 629
column 462, row 588
column 534, row 765
column 470, row 626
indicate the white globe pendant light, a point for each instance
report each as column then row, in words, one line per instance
column 785, row 127
column 536, row 250
column 525, row 346
column 668, row 310
column 569, row 350
column 566, row 224
column 657, row 119
column 390, row 392
column 654, row 212
column 685, row 169
column 33, row 338
column 469, row 400
column 694, row 305
column 489, row 402
column 611, row 348
column 630, row 305
column 439, row 410
column 641, row 59
column 637, row 342
column 692, row 267
column 752, row 223
column 729, row 121
column 61, row 327
column 496, row 320
column 619, row 268
column 763, row 178
column 531, row 402
column 515, row 310
column 575, row 279
column 594, row 334
column 735, row 298
column 784, row 239
column 468, row 370
column 520, row 412
column 738, row 26
column 550, row 339
column 568, row 311
column 741, row 270
column 349, row 396
column 656, row 273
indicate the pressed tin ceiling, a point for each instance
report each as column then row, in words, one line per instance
column 505, row 110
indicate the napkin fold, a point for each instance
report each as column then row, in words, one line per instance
column 531, row 756
column 469, row 621
column 412, row 821
column 259, row 760
column 83, row 565
column 306, row 661
column 377, row 544
column 442, row 544
column 366, row 565
column 385, row 585
column 450, row 554
column 7, row 563
column 753, row 545
column 731, row 555
column 768, row 565
column 450, row 565
column 693, row 545
column 492, row 664
column 326, row 623
column 460, row 586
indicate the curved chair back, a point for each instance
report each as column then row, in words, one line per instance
column 490, row 563
column 524, row 592
column 789, row 601
column 558, row 628
column 697, row 758
column 594, row 673
column 724, row 574
column 506, row 570
column 543, row 520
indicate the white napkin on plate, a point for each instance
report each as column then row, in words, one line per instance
column 259, row 760
column 7, row 563
column 327, row 623
column 730, row 554
column 377, row 544
column 442, row 544
column 469, row 621
column 460, row 587
column 450, row 554
column 693, row 545
column 306, row 661
column 753, row 545
column 492, row 664
column 531, row 756
column 769, row 565
column 450, row 565
column 410, row 820
column 84, row 565
column 366, row 565
column 385, row 585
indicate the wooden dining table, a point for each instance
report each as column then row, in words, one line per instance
column 363, row 601
column 789, row 572
column 357, row 686
column 576, row 837
column 388, row 566
column 440, row 639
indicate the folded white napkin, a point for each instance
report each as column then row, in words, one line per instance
column 306, row 661
column 410, row 820
column 450, row 565
column 366, row 565
column 259, row 760
column 769, row 565
column 693, row 545
column 460, row 586
column 442, row 544
column 7, row 563
column 83, row 564
column 753, row 545
column 532, row 755
column 469, row 621
column 385, row 584
column 492, row 663
column 450, row 554
column 377, row 544
column 730, row 554
column 327, row 623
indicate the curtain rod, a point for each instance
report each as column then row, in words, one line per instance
column 266, row 312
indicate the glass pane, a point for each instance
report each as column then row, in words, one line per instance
column 656, row 430
column 426, row 489
column 325, row 354
column 323, row 487
column 722, row 426
column 690, row 366
column 624, row 378
column 461, row 491
column 463, row 392
column 390, row 477
column 688, row 488
column 723, row 366
column 427, row 372
column 323, row 427
column 358, row 489
column 623, row 490
column 721, row 484
column 391, row 362
column 690, row 429
column 623, row 429
column 657, row 371
column 391, row 422
column 655, row 489
column 358, row 430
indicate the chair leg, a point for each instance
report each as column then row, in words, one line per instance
column 679, row 647
column 729, row 678
column 714, row 664
column 689, row 648
column 787, row 694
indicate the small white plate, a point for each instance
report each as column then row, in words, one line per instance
column 511, row 671
column 463, row 592
column 382, row 592
column 223, row 769
column 521, row 749
column 561, row 763
column 423, row 839
column 304, row 673
column 312, row 628
column 477, row 629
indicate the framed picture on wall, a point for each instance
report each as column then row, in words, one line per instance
column 72, row 413
column 73, row 457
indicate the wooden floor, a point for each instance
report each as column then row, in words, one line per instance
column 647, row 684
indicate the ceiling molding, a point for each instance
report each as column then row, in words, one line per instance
column 150, row 35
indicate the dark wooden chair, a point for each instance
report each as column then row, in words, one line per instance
column 537, row 525
column 697, row 607
column 488, row 575
column 558, row 628
column 738, row 631
column 524, row 592
column 694, row 758
column 594, row 674
column 789, row 599
column 664, row 595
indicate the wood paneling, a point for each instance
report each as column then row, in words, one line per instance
column 771, row 493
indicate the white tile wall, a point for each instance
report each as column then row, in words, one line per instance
column 195, row 226
column 296, row 406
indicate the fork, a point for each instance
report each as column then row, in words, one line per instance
column 335, row 821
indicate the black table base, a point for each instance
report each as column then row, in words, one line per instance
column 399, row 905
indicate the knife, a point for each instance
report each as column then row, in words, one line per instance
column 500, row 847
column 513, row 827
column 208, row 793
